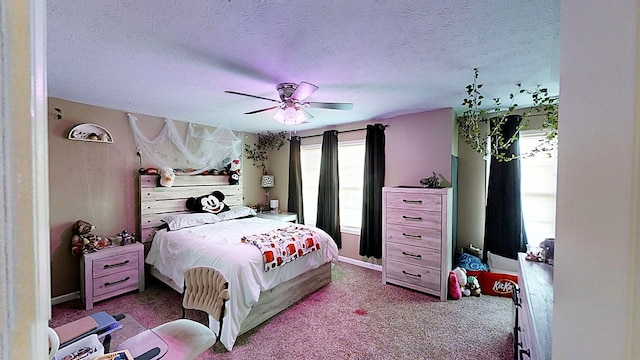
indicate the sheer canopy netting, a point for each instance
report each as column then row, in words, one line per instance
column 201, row 150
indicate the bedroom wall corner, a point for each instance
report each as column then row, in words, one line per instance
column 91, row 181
column 471, row 196
column 279, row 165
column 98, row 182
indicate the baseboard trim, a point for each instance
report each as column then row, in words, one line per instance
column 64, row 298
column 360, row 263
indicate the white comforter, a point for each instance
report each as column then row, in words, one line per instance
column 219, row 245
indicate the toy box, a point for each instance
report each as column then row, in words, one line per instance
column 87, row 348
column 496, row 284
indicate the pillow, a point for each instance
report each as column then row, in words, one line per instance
column 499, row 263
column 181, row 221
column 471, row 263
column 213, row 203
column 237, row 212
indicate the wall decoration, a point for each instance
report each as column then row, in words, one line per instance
column 90, row 132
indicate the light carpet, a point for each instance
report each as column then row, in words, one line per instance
column 354, row 317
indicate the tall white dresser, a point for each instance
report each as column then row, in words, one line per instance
column 416, row 238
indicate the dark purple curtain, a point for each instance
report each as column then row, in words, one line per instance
column 504, row 232
column 328, row 217
column 374, row 168
column 295, row 203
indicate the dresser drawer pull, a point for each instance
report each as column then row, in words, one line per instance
column 116, row 282
column 109, row 266
column 412, row 255
column 411, row 201
column 417, row 276
column 409, row 236
column 412, row 218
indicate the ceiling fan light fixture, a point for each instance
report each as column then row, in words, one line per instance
column 290, row 116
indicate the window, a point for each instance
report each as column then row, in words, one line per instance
column 351, row 172
column 538, row 189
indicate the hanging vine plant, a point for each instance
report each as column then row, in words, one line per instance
column 493, row 143
column 258, row 152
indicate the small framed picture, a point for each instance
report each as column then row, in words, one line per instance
column 118, row 355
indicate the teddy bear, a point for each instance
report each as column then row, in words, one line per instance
column 458, row 283
column 473, row 286
column 82, row 241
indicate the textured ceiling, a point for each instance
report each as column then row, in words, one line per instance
column 175, row 58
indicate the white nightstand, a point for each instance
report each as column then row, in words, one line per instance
column 110, row 272
column 285, row 216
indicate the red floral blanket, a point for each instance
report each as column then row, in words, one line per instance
column 281, row 246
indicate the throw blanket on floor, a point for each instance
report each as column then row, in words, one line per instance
column 281, row 246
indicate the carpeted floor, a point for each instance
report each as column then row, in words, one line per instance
column 354, row 317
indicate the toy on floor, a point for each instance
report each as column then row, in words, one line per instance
column 82, row 241
column 473, row 286
column 458, row 283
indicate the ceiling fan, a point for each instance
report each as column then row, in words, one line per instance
column 291, row 104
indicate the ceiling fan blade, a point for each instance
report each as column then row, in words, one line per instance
column 261, row 110
column 303, row 91
column 306, row 113
column 326, row 105
column 253, row 96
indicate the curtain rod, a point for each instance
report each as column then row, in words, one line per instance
column 340, row 132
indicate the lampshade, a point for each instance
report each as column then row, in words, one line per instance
column 290, row 116
column 268, row 181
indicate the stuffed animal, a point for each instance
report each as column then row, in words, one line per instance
column 461, row 278
column 454, row 288
column 234, row 172
column 82, row 241
column 167, row 176
column 473, row 286
column 209, row 203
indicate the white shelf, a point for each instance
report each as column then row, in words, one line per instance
column 87, row 132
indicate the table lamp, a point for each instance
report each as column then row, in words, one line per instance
column 267, row 182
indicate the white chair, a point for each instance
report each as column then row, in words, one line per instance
column 205, row 289
column 54, row 342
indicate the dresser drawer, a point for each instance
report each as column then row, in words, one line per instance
column 416, row 201
column 114, row 264
column 413, row 255
column 110, row 272
column 415, row 236
column 415, row 218
column 115, row 282
column 416, row 276
column 416, row 242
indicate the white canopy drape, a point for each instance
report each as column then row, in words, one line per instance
column 202, row 148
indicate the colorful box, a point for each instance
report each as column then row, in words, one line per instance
column 496, row 284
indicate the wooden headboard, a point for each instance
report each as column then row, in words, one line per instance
column 158, row 201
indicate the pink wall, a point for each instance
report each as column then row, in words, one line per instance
column 417, row 145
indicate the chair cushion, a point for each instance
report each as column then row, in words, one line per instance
column 186, row 339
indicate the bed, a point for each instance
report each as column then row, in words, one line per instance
column 256, row 294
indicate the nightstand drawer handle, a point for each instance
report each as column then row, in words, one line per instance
column 116, row 282
column 417, row 237
column 411, row 201
column 109, row 266
column 412, row 255
column 412, row 218
column 418, row 276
